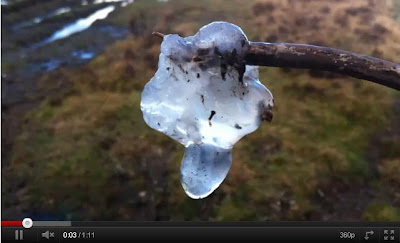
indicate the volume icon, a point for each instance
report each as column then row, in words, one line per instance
column 46, row 234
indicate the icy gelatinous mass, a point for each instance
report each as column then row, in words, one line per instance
column 204, row 97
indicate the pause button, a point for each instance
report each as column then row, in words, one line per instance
column 19, row 234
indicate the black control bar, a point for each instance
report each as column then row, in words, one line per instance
column 381, row 233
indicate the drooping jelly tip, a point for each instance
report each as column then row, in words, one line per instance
column 203, row 169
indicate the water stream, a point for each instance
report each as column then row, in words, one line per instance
column 38, row 20
column 80, row 24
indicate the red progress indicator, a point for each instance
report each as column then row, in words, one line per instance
column 11, row 223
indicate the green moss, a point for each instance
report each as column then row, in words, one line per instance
column 92, row 154
column 381, row 211
column 234, row 210
column 142, row 8
column 46, row 113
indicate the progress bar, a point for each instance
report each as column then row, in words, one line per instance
column 52, row 223
column 28, row 223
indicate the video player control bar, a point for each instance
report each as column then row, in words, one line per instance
column 114, row 234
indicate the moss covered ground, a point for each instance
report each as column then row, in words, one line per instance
column 332, row 151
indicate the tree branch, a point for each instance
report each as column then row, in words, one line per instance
column 324, row 58
column 158, row 34
column 293, row 55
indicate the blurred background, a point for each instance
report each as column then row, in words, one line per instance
column 75, row 146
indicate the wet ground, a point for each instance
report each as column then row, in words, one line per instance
column 41, row 36
column 67, row 34
column 331, row 152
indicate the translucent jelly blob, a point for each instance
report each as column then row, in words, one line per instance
column 205, row 97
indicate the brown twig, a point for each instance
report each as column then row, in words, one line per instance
column 324, row 58
column 158, row 34
column 293, row 55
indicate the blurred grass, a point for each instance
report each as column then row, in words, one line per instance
column 88, row 154
column 380, row 212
